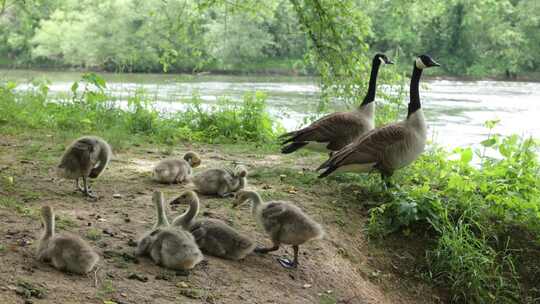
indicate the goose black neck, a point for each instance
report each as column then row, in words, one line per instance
column 370, row 96
column 414, row 103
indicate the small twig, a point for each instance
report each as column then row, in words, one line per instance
column 95, row 277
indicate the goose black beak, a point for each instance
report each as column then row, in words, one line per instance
column 435, row 64
column 389, row 62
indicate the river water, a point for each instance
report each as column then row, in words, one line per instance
column 455, row 110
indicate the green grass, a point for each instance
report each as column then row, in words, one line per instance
column 105, row 289
column 93, row 234
column 17, row 206
column 93, row 111
column 478, row 223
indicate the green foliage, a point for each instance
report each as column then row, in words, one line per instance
column 93, row 234
column 467, row 207
column 475, row 271
column 90, row 110
column 477, row 38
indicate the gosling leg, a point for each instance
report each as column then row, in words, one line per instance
column 264, row 250
column 286, row 263
column 386, row 183
column 78, row 186
column 87, row 191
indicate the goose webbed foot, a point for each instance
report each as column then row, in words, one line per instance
column 87, row 191
column 287, row 263
column 90, row 194
column 226, row 195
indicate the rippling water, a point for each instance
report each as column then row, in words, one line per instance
column 456, row 110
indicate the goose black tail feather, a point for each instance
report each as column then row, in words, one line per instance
column 328, row 171
column 288, row 135
column 290, row 148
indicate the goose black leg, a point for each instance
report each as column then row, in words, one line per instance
column 286, row 263
column 264, row 250
column 386, row 183
column 87, row 191
column 78, row 186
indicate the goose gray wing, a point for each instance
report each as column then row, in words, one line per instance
column 337, row 129
column 369, row 148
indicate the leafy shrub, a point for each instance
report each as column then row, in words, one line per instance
column 467, row 208
column 90, row 110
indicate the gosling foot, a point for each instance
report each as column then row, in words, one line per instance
column 90, row 194
column 286, row 263
column 228, row 194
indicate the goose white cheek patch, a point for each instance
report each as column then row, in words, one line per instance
column 420, row 64
column 382, row 60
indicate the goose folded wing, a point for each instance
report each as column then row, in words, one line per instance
column 329, row 128
column 370, row 147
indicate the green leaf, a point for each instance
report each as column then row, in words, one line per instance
column 74, row 87
column 488, row 142
column 466, row 156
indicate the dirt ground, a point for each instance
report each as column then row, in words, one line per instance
column 344, row 267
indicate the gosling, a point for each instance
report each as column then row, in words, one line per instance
column 223, row 182
column 85, row 158
column 283, row 222
column 169, row 247
column 173, row 171
column 66, row 252
column 213, row 236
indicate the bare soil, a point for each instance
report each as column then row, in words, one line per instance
column 344, row 267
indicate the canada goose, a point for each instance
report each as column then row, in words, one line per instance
column 86, row 157
column 213, row 236
column 222, row 182
column 332, row 132
column 283, row 222
column 169, row 247
column 171, row 171
column 389, row 147
column 66, row 252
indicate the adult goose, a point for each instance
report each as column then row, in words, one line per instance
column 390, row 147
column 332, row 132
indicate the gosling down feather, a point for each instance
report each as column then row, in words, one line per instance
column 284, row 222
column 85, row 158
column 170, row 247
column 172, row 171
column 66, row 252
column 213, row 236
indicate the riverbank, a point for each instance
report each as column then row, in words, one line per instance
column 289, row 67
column 449, row 231
column 343, row 267
column 455, row 110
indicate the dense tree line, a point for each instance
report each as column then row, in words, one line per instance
column 471, row 37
